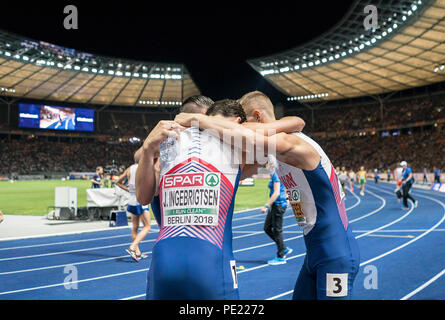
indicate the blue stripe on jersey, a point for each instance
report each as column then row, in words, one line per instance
column 328, row 239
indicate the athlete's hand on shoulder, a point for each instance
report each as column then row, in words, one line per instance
column 186, row 119
column 163, row 129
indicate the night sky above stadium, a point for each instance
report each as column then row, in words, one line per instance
column 213, row 40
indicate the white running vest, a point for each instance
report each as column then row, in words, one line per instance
column 197, row 183
column 300, row 194
column 132, row 201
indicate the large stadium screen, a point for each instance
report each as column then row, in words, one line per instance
column 36, row 116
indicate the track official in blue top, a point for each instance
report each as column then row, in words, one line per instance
column 407, row 183
column 275, row 208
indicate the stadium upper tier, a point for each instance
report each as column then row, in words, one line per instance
column 405, row 50
column 39, row 70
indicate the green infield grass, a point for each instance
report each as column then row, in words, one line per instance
column 34, row 197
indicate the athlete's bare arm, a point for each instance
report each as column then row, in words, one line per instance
column 146, row 180
column 122, row 177
column 289, row 148
column 286, row 124
column 295, row 151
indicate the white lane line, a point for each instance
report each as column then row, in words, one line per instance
column 72, row 282
column 72, row 251
column 358, row 200
column 372, row 212
column 64, row 242
column 90, row 231
column 390, row 236
column 416, row 238
column 423, row 286
column 63, row 234
column 134, row 297
column 67, row 264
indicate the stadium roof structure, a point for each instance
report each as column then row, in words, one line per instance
column 405, row 50
column 39, row 70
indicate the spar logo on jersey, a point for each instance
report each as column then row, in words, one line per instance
column 184, row 180
column 212, row 179
column 295, row 195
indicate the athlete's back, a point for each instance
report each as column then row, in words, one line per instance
column 193, row 256
column 317, row 200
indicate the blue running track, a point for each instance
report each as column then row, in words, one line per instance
column 402, row 256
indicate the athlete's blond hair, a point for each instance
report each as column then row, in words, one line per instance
column 256, row 100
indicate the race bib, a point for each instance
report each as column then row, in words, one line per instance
column 191, row 199
column 295, row 201
column 340, row 188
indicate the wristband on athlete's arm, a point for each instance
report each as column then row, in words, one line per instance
column 267, row 206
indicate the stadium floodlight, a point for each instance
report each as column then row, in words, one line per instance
column 395, row 25
column 85, row 69
column 101, row 71
column 118, row 73
column 324, row 60
column 285, row 69
column 128, row 74
column 404, row 18
column 317, row 62
column 310, row 64
column 361, row 46
column 144, row 75
column 110, row 72
column 410, row 12
column 76, row 68
column 296, row 67
column 94, row 70
column 389, row 30
column 414, row 7
column 136, row 75
column 373, row 40
column 337, row 56
column 7, row 53
column 436, row 69
column 60, row 65
column 442, row 67
column 25, row 58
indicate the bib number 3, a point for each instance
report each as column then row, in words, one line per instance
column 336, row 284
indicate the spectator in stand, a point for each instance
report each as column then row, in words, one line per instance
column 425, row 176
column 1, row 216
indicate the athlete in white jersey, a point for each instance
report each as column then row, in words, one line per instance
column 398, row 174
column 137, row 212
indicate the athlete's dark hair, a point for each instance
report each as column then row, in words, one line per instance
column 227, row 108
column 196, row 104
